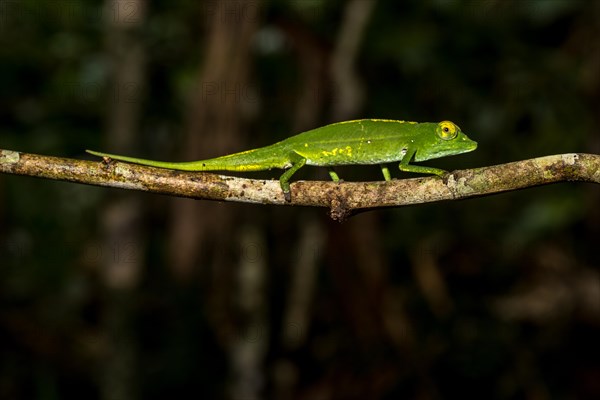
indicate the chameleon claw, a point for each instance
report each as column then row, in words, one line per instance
column 287, row 196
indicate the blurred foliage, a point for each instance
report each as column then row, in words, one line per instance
column 519, row 313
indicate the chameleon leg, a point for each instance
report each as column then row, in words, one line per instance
column 334, row 176
column 386, row 173
column 405, row 166
column 297, row 163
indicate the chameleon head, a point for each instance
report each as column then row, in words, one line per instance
column 448, row 140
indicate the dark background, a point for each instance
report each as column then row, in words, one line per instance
column 106, row 294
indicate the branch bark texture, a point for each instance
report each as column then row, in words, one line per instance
column 343, row 198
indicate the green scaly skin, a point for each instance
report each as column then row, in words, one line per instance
column 359, row 142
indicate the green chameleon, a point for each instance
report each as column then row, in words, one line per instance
column 366, row 141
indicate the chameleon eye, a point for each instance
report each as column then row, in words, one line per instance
column 447, row 130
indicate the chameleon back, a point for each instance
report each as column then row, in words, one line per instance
column 368, row 141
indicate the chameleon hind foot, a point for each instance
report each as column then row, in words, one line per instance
column 284, row 180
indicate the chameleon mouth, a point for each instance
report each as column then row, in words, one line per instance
column 466, row 147
column 469, row 145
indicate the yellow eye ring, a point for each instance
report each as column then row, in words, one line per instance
column 447, row 130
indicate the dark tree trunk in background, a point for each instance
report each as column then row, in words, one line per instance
column 210, row 239
column 123, row 244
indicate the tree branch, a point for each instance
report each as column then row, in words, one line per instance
column 343, row 198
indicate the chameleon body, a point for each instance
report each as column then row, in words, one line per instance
column 364, row 142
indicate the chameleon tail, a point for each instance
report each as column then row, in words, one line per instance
column 251, row 160
column 183, row 166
